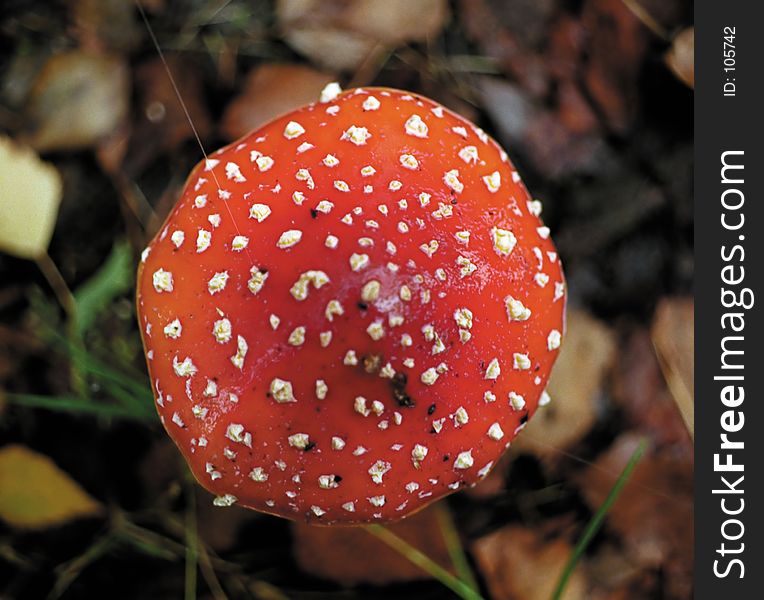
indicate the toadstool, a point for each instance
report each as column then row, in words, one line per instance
column 351, row 311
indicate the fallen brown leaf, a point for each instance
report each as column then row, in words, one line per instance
column 395, row 21
column 587, row 353
column 269, row 91
column 78, row 99
column 616, row 47
column 681, row 56
column 105, row 24
column 662, row 15
column 654, row 513
column 574, row 111
column 329, row 47
column 639, row 389
column 673, row 334
column 610, row 568
column 552, row 145
column 339, row 35
column 519, row 563
column 351, row 555
column 510, row 33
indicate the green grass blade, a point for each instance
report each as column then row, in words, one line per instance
column 424, row 562
column 79, row 405
column 596, row 522
column 137, row 388
column 138, row 405
column 149, row 542
column 134, row 382
column 454, row 545
column 114, row 278
column 136, row 395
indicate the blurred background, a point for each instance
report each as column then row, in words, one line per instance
column 593, row 101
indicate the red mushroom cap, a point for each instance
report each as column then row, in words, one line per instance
column 351, row 311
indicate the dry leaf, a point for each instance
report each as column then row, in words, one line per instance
column 519, row 563
column 616, row 48
column 639, row 389
column 270, row 91
column 653, row 514
column 77, row 99
column 331, row 48
column 351, row 555
column 662, row 15
column 396, row 21
column 339, row 35
column 35, row 493
column 610, row 568
column 573, row 110
column 527, row 127
column 587, row 352
column 29, row 199
column 673, row 334
column 681, row 56
column 510, row 32
column 109, row 24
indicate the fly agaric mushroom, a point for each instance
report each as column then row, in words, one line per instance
column 351, row 311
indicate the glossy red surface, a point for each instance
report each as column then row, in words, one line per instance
column 288, row 480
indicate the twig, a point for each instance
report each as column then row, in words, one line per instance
column 208, row 572
column 68, row 572
column 67, row 301
column 58, row 284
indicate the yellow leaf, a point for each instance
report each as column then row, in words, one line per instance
column 35, row 493
column 29, row 197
